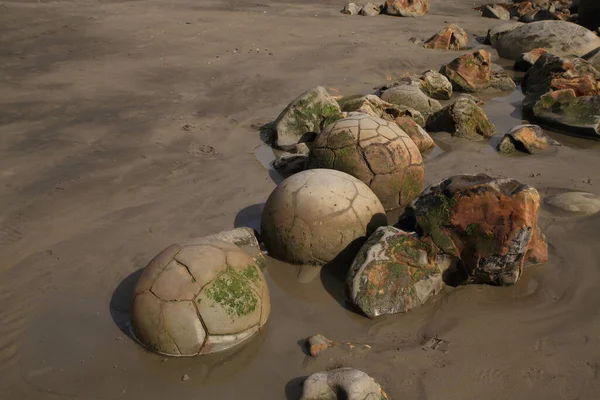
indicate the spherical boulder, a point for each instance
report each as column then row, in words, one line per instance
column 199, row 298
column 316, row 215
column 377, row 152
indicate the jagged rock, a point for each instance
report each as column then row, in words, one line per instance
column 393, row 272
column 452, row 37
column 488, row 224
column 527, row 60
column 406, row 8
column 411, row 96
column 418, row 135
column 500, row 80
column 351, row 9
column 342, row 384
column 245, row 238
column 294, row 161
column 495, row 11
column 494, row 34
column 305, row 117
column 558, row 37
column 575, row 202
column 469, row 73
column 370, row 10
column 374, row 106
column 525, row 138
column 464, row 118
column 436, row 85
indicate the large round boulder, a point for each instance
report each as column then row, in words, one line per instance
column 316, row 215
column 202, row 297
column 558, row 37
column 342, row 384
column 375, row 151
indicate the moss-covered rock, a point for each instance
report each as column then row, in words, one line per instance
column 464, row 118
column 374, row 106
column 305, row 116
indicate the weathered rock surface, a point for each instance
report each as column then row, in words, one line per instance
column 293, row 161
column 418, row 135
column 393, row 272
column 452, row 37
column 529, row 139
column 575, row 202
column 374, row 106
column 500, row 80
column 489, row 224
column 315, row 215
column 351, row 9
column 494, row 34
column 370, row 10
column 375, row 151
column 406, row 8
column 469, row 73
column 244, row 238
column 305, row 116
column 342, row 384
column 464, row 118
column 526, row 61
column 411, row 96
column 318, row 343
column 495, row 11
column 558, row 37
column 435, row 85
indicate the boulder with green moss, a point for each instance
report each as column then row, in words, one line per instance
column 490, row 225
column 374, row 106
column 393, row 272
column 464, row 118
column 303, row 118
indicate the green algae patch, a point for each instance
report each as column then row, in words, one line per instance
column 233, row 291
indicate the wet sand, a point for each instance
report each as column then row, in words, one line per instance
column 128, row 125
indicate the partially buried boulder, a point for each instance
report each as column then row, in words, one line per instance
column 393, row 272
column 406, row 8
column 489, row 224
column 452, row 37
column 418, row 135
column 464, row 118
column 374, row 106
column 351, row 9
column 529, row 139
column 305, row 117
column 342, row 384
column 370, row 10
column 375, row 151
column 558, row 37
column 495, row 11
column 409, row 95
column 469, row 73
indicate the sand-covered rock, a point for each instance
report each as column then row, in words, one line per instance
column 452, row 37
column 375, row 151
column 558, row 37
column 495, row 11
column 406, row 8
column 526, row 60
column 575, row 202
column 469, row 73
column 376, row 107
column 529, row 139
column 412, row 96
column 370, row 10
column 305, row 116
column 393, row 272
column 489, row 224
column 495, row 33
column 418, row 135
column 315, row 215
column 202, row 297
column 342, row 384
column 464, row 118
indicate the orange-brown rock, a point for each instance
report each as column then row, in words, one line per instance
column 581, row 85
column 418, row 135
column 521, row 9
column 469, row 73
column 406, row 8
column 488, row 224
column 452, row 37
column 527, row 60
column 526, row 138
column 317, row 343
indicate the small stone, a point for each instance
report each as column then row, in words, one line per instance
column 318, row 343
column 452, row 37
column 370, row 10
column 185, row 377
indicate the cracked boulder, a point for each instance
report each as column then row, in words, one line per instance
column 375, row 151
column 342, row 384
column 201, row 297
column 464, row 118
column 303, row 118
column 406, row 8
column 452, row 37
column 316, row 215
column 393, row 272
column 529, row 139
column 490, row 225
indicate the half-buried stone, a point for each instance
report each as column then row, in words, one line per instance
column 464, row 118
column 375, row 151
column 315, row 216
column 409, row 95
column 529, row 139
column 198, row 298
column 374, row 106
column 394, row 272
column 342, row 384
column 489, row 224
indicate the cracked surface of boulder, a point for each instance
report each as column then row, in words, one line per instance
column 393, row 272
column 464, row 118
column 375, row 151
column 314, row 216
column 418, row 135
column 342, row 384
column 489, row 224
column 201, row 297
column 305, row 117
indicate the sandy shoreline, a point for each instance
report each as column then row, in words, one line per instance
column 128, row 125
